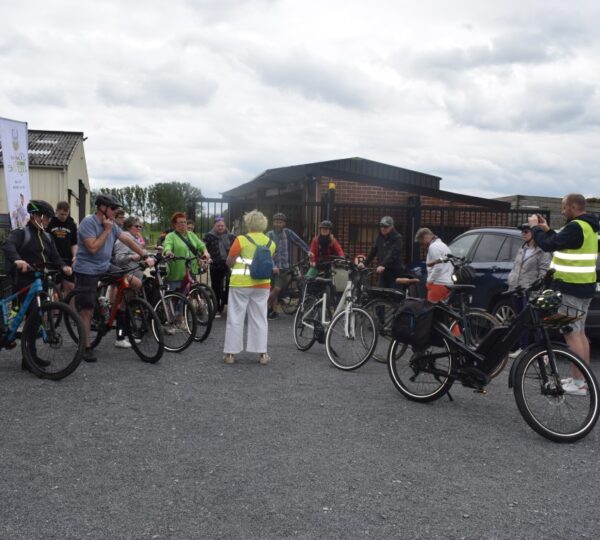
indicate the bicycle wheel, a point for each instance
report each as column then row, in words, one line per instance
column 480, row 323
column 382, row 311
column 178, row 321
column 143, row 328
column 289, row 298
column 351, row 339
column 211, row 297
column 308, row 314
column 420, row 376
column 548, row 410
column 98, row 325
column 48, row 348
column 201, row 306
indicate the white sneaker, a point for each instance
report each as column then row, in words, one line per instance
column 576, row 387
column 516, row 353
column 122, row 344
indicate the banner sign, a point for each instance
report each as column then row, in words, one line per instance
column 15, row 158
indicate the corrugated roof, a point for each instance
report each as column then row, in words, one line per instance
column 51, row 148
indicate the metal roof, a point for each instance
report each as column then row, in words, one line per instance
column 365, row 171
column 51, row 148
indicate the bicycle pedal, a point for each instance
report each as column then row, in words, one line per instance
column 482, row 391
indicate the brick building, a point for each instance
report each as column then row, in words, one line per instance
column 355, row 192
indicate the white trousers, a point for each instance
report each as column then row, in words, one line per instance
column 253, row 301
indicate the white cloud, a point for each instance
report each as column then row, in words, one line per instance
column 492, row 97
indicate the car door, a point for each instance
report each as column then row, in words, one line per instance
column 492, row 259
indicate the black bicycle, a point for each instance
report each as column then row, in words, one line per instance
column 538, row 376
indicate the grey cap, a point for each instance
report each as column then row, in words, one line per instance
column 387, row 221
column 424, row 231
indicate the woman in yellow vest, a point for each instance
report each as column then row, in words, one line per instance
column 246, row 294
column 575, row 249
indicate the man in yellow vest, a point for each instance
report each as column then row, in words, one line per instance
column 575, row 249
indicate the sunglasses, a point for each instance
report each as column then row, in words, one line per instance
column 138, row 226
column 113, row 208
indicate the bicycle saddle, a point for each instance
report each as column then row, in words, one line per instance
column 461, row 287
column 383, row 292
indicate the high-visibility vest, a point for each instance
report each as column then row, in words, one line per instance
column 240, row 272
column 578, row 266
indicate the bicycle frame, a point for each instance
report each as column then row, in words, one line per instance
column 33, row 290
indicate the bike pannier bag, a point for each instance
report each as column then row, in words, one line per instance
column 262, row 261
column 412, row 323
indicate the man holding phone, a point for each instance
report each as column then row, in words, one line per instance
column 575, row 249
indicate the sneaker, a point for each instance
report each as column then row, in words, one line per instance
column 516, row 353
column 170, row 329
column 264, row 359
column 122, row 344
column 272, row 315
column 218, row 315
column 89, row 356
column 229, row 359
column 576, row 387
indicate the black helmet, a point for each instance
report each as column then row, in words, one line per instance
column 280, row 215
column 40, row 207
column 107, row 199
column 548, row 301
column 326, row 224
column 464, row 275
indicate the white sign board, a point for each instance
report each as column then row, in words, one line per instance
column 15, row 158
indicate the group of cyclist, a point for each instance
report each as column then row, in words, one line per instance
column 107, row 241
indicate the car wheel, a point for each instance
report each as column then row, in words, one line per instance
column 504, row 311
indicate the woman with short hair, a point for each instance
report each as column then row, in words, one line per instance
column 246, row 294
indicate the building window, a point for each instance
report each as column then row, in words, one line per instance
column 363, row 234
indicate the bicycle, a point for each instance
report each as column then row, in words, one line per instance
column 203, row 302
column 174, row 310
column 48, row 351
column 537, row 376
column 348, row 331
column 289, row 296
column 143, row 326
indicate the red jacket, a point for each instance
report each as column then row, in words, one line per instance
column 333, row 249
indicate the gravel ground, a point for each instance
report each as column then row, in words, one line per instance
column 193, row 448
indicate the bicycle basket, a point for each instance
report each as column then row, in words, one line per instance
column 340, row 279
column 464, row 275
column 562, row 317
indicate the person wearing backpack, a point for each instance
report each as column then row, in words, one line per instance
column 251, row 262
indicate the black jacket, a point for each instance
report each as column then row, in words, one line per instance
column 39, row 249
column 388, row 250
column 569, row 237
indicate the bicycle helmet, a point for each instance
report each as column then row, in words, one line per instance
column 326, row 224
column 40, row 207
column 107, row 199
column 548, row 301
column 280, row 215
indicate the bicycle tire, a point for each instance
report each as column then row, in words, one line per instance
column 44, row 340
column 536, row 389
column 480, row 323
column 307, row 313
column 200, row 302
column 383, row 319
column 289, row 298
column 143, row 328
column 211, row 296
column 177, row 335
column 351, row 339
column 98, row 325
column 411, row 373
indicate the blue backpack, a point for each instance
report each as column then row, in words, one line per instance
column 262, row 261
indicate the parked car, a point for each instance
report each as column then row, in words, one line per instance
column 492, row 252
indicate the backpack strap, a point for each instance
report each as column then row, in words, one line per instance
column 267, row 245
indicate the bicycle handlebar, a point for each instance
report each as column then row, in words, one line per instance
column 538, row 284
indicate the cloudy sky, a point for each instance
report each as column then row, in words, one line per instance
column 497, row 98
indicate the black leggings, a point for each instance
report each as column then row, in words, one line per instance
column 219, row 278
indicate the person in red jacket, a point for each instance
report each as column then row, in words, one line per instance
column 323, row 247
